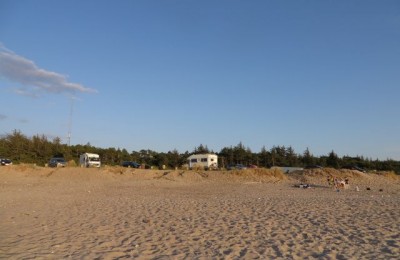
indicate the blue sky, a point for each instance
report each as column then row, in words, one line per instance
column 166, row 75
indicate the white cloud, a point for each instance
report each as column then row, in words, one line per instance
column 34, row 79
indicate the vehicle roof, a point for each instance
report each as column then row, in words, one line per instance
column 202, row 155
column 91, row 154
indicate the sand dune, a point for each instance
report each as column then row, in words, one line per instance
column 119, row 213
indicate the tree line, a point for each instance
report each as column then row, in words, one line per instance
column 39, row 149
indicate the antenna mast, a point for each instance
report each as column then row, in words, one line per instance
column 70, row 122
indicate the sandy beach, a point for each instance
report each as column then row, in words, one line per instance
column 121, row 213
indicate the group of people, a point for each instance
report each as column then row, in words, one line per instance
column 337, row 183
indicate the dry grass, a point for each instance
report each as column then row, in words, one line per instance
column 114, row 169
column 390, row 175
column 198, row 168
column 276, row 173
column 72, row 163
column 258, row 175
column 332, row 172
column 356, row 178
column 24, row 167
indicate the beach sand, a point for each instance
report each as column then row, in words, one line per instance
column 119, row 213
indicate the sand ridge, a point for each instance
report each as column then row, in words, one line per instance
column 117, row 213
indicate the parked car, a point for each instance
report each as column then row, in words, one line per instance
column 130, row 164
column 5, row 162
column 57, row 162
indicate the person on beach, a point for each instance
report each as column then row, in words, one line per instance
column 338, row 183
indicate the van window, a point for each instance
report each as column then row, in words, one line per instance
column 193, row 160
column 204, row 159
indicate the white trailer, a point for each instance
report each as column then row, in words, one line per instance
column 206, row 161
column 89, row 160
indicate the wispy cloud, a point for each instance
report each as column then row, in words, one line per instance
column 34, row 79
column 3, row 117
column 25, row 92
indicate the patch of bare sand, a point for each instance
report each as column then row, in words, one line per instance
column 115, row 212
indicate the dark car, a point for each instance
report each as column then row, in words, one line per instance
column 5, row 162
column 57, row 162
column 130, row 164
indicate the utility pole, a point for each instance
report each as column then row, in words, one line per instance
column 70, row 122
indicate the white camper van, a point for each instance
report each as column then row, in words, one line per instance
column 207, row 161
column 89, row 160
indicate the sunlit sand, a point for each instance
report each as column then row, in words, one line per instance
column 112, row 213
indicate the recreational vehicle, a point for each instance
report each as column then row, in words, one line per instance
column 89, row 160
column 206, row 161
